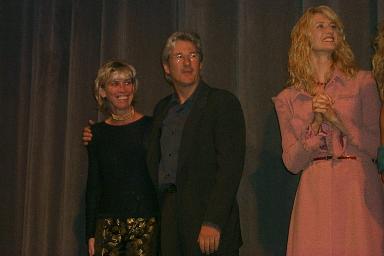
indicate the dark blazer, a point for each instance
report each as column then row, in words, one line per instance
column 210, row 165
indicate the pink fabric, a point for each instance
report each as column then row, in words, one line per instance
column 339, row 204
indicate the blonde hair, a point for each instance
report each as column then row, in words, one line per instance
column 299, row 61
column 378, row 61
column 103, row 76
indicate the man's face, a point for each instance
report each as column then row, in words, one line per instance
column 183, row 64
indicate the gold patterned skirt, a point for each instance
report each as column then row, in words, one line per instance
column 128, row 237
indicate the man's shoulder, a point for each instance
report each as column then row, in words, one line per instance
column 165, row 99
column 162, row 102
column 219, row 94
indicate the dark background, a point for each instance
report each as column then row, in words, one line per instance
column 49, row 54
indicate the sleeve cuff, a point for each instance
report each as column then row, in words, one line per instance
column 212, row 225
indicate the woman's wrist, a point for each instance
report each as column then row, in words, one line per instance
column 315, row 127
column 316, row 122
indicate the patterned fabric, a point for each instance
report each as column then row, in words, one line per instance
column 130, row 237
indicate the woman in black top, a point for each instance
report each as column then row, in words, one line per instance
column 121, row 204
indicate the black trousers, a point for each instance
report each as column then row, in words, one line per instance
column 169, row 235
column 169, row 238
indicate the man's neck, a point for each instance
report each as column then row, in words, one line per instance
column 184, row 92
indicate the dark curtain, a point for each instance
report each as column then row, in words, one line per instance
column 49, row 54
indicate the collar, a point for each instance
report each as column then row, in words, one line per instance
column 337, row 76
column 175, row 99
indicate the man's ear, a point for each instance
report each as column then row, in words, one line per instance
column 166, row 69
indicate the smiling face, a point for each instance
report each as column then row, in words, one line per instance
column 119, row 91
column 324, row 34
column 184, row 65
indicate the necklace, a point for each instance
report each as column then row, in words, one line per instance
column 124, row 117
column 321, row 83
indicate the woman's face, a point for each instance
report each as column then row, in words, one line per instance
column 324, row 34
column 119, row 91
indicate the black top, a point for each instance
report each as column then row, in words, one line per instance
column 171, row 134
column 118, row 181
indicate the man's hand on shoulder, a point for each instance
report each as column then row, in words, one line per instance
column 209, row 239
column 87, row 133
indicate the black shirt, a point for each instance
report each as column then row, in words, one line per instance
column 118, row 183
column 171, row 134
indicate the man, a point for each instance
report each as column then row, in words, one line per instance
column 195, row 157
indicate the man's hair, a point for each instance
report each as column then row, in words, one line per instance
column 181, row 36
column 299, row 61
column 378, row 60
column 104, row 75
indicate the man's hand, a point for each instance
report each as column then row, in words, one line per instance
column 91, row 246
column 87, row 133
column 209, row 239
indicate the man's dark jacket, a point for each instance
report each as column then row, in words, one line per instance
column 210, row 164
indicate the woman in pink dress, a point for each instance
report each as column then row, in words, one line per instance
column 329, row 123
column 378, row 70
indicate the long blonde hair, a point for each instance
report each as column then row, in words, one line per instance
column 299, row 62
column 378, row 61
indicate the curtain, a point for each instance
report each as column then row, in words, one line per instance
column 49, row 55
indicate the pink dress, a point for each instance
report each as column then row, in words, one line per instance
column 339, row 204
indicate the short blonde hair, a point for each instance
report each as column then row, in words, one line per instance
column 378, row 60
column 104, row 75
column 299, row 61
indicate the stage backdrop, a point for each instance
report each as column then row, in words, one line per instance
column 50, row 52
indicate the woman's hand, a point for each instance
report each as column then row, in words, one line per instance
column 91, row 246
column 322, row 104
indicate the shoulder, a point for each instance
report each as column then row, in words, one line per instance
column 365, row 77
column 98, row 132
column 162, row 103
column 364, row 74
column 363, row 80
column 99, row 126
column 221, row 93
column 221, row 96
column 164, row 100
column 146, row 122
column 147, row 119
column 285, row 95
